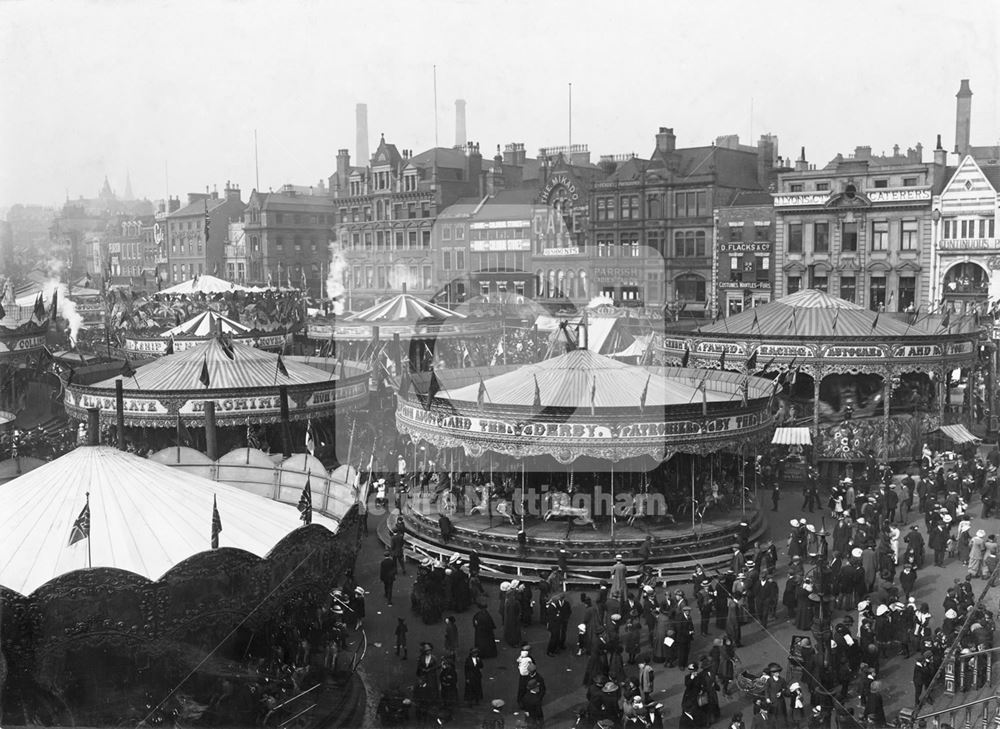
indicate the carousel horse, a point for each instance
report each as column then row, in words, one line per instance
column 633, row 508
column 559, row 505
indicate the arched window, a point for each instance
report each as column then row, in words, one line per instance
column 690, row 287
column 966, row 278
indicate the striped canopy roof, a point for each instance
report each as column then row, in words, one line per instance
column 248, row 369
column 403, row 308
column 203, row 284
column 569, row 380
column 811, row 313
column 144, row 517
column 205, row 324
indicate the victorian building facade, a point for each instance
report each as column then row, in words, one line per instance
column 966, row 246
column 743, row 274
column 191, row 249
column 859, row 228
column 385, row 214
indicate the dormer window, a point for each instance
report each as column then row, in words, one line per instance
column 410, row 182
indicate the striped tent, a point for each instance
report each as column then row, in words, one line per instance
column 403, row 308
column 203, row 284
column 144, row 517
column 205, row 324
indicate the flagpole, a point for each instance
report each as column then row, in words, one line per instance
column 612, row 503
column 90, row 529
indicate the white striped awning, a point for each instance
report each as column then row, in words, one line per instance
column 792, row 436
column 959, row 433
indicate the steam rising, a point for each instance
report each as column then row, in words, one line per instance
column 335, row 279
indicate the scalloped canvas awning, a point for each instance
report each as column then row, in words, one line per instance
column 792, row 436
column 144, row 517
column 959, row 434
column 205, row 324
column 402, row 308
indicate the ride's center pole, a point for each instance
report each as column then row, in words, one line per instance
column 693, row 503
column 612, row 502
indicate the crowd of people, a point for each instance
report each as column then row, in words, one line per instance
column 851, row 594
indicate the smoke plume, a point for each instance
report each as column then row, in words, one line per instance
column 335, row 279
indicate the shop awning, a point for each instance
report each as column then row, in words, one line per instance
column 959, row 434
column 792, row 436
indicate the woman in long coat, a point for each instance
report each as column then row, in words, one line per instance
column 474, row 677
column 804, row 607
column 789, row 598
column 512, row 620
column 484, row 626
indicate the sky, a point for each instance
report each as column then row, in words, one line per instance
column 172, row 91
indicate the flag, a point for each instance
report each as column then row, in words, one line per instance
column 127, row 369
column 281, row 366
column 685, row 358
column 170, row 345
column 794, row 376
column 755, row 323
column 875, row 321
column 433, row 388
column 216, row 523
column 204, row 377
column 836, row 315
column 593, row 395
column 722, row 360
column 39, row 308
column 642, row 397
column 767, row 366
column 537, row 400
column 481, row 395
column 752, row 362
column 914, row 316
column 704, row 398
column 70, row 376
column 81, row 527
column 404, row 384
column 183, row 435
column 55, row 303
column 744, row 394
column 946, row 320
column 177, row 318
column 791, row 322
column 227, row 347
column 306, row 503
column 207, row 222
column 310, row 443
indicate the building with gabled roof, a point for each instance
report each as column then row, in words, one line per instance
column 191, row 249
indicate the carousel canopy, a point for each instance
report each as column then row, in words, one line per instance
column 580, row 377
column 144, row 517
column 205, row 324
column 204, row 284
column 811, row 313
column 404, row 307
column 792, row 436
column 243, row 381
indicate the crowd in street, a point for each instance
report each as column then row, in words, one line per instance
column 852, row 595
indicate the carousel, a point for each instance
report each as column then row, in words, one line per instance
column 162, row 578
column 425, row 329
column 23, row 332
column 197, row 330
column 580, row 458
column 868, row 385
column 255, row 398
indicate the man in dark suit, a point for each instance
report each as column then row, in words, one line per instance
column 387, row 573
column 396, row 544
column 766, row 596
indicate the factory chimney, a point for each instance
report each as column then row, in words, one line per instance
column 363, row 151
column 963, row 118
column 460, row 136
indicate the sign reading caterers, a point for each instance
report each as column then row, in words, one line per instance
column 577, row 431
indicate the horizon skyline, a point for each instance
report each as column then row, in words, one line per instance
column 303, row 110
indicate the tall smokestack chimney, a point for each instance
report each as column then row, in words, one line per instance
column 963, row 117
column 460, row 139
column 364, row 152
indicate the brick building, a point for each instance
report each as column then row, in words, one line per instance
column 286, row 236
column 385, row 213
column 189, row 251
column 743, row 274
column 859, row 228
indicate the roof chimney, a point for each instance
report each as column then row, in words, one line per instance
column 801, row 165
column 963, row 118
column 666, row 141
column 940, row 155
column 460, row 138
column 363, row 151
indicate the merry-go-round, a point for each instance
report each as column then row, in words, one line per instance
column 867, row 384
column 577, row 459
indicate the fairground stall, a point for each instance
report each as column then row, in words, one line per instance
column 425, row 332
column 255, row 397
column 870, row 386
column 584, row 453
column 173, row 584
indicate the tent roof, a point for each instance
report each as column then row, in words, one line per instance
column 811, row 313
column 792, row 436
column 144, row 517
column 250, row 368
column 204, row 284
column 403, row 307
column 637, row 348
column 959, row 434
column 205, row 324
column 568, row 380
